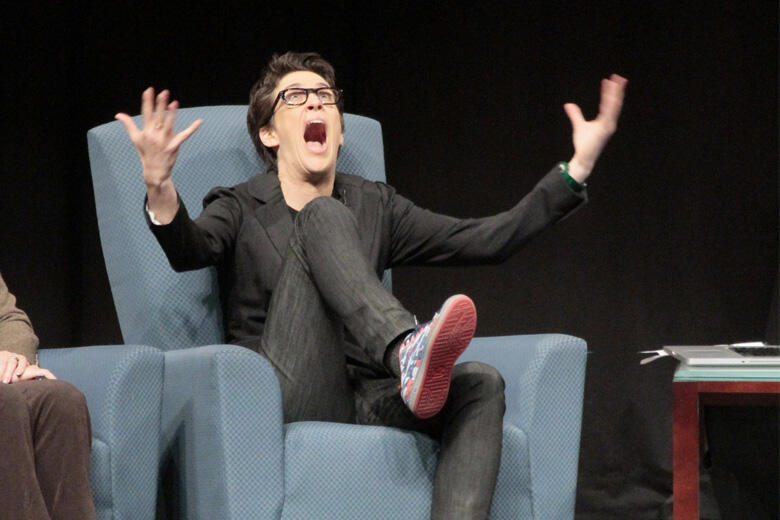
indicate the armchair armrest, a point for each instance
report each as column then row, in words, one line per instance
column 544, row 376
column 123, row 388
column 222, row 432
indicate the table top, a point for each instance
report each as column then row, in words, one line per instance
column 721, row 373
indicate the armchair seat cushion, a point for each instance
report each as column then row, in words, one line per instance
column 343, row 471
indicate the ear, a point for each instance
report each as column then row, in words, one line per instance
column 268, row 136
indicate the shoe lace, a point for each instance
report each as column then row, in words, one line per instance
column 408, row 349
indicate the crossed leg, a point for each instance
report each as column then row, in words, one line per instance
column 326, row 286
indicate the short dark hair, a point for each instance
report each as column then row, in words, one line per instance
column 261, row 100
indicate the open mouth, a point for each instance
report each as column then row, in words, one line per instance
column 315, row 135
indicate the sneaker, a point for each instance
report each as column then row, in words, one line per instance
column 428, row 353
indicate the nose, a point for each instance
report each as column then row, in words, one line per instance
column 313, row 101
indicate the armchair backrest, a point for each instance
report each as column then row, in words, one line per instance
column 155, row 305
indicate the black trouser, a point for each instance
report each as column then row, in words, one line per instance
column 45, row 441
column 326, row 286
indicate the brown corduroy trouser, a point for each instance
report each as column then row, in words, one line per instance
column 45, row 442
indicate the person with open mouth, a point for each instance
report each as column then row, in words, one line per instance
column 300, row 250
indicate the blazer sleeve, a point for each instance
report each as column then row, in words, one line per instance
column 193, row 244
column 421, row 237
column 16, row 332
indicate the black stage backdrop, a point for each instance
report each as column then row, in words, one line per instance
column 679, row 242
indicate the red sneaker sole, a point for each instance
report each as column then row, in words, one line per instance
column 452, row 334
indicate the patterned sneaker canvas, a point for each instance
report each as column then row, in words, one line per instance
column 428, row 354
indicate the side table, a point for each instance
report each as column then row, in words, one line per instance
column 694, row 387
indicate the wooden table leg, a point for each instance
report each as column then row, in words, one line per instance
column 685, row 451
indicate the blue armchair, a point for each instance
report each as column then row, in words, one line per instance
column 123, row 387
column 222, row 430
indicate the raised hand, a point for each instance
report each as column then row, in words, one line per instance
column 156, row 143
column 590, row 137
column 158, row 148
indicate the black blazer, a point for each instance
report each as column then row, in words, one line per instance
column 244, row 231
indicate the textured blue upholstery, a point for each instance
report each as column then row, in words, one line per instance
column 123, row 387
column 221, row 418
column 544, row 376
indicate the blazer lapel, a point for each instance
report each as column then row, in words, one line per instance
column 347, row 191
column 272, row 212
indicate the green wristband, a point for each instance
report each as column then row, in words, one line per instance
column 570, row 182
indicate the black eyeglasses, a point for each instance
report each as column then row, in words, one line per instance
column 298, row 96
